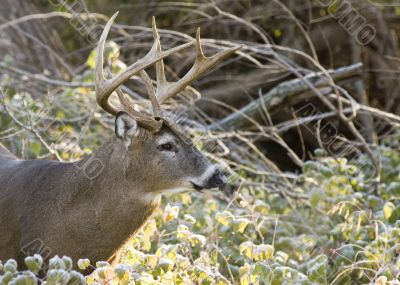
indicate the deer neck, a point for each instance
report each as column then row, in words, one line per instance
column 115, row 203
column 110, row 171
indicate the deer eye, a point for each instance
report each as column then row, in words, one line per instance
column 167, row 146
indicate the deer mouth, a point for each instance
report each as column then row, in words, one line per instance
column 201, row 189
column 198, row 188
column 216, row 181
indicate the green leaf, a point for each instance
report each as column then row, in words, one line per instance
column 183, row 232
column 224, row 218
column 83, row 263
column 263, row 252
column 315, row 197
column 262, row 272
column 246, row 249
column 198, row 240
column 240, row 225
column 388, row 209
column 34, row 263
column 170, row 213
column 317, row 270
column 244, row 272
column 35, row 147
column 10, row 266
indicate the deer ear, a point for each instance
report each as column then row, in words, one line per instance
column 126, row 127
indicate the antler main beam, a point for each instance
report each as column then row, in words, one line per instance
column 105, row 87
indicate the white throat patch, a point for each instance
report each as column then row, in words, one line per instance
column 149, row 198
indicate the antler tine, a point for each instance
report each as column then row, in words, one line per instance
column 149, row 85
column 152, row 93
column 104, row 87
column 160, row 73
column 201, row 65
column 143, row 120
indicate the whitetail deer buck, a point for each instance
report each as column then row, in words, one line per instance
column 53, row 208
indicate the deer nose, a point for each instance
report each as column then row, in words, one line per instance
column 219, row 179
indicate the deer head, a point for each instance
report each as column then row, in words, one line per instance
column 155, row 141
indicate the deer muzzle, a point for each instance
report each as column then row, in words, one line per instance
column 216, row 180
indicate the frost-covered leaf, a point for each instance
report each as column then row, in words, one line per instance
column 240, row 225
column 170, row 213
column 83, row 263
column 34, row 263
column 246, row 249
column 224, row 218
column 388, row 210
column 198, row 240
column 263, row 252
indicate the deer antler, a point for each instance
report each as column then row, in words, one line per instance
column 202, row 64
column 104, row 87
column 165, row 89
